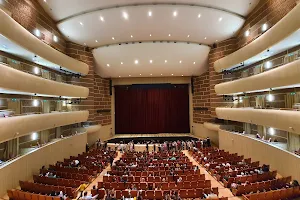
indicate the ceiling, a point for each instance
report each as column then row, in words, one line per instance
column 99, row 23
column 151, row 60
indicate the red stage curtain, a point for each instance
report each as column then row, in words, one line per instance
column 154, row 109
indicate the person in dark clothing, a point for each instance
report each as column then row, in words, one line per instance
column 147, row 147
column 208, row 142
column 111, row 160
column 154, row 147
column 87, row 148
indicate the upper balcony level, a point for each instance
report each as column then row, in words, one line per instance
column 16, row 40
column 282, row 36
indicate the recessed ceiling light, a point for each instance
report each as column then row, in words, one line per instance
column 55, row 38
column 150, row 35
column 181, row 75
column 96, row 40
column 180, row 61
column 150, row 61
column 121, row 63
column 150, row 74
column 81, row 23
column 45, row 0
column 169, row 35
column 107, row 65
column 220, row 19
column 140, row 74
column 37, row 32
column 136, row 62
column 194, row 62
column 125, row 15
column 166, row 61
column 172, row 74
column 84, row 44
column 161, row 74
column 264, row 27
column 149, row 13
column 199, row 15
column 119, row 76
column 216, row 40
column 205, row 38
column 188, row 36
column 101, row 18
column 113, row 38
column 131, row 36
column 129, row 75
column 175, row 13
column 247, row 33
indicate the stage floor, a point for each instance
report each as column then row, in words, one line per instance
column 153, row 135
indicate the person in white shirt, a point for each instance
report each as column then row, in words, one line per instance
column 88, row 197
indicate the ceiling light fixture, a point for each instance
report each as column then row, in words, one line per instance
column 81, row 23
column 199, row 15
column 125, row 15
column 129, row 75
column 216, row 40
column 136, row 62
column 188, row 36
column 121, row 63
column 96, row 41
column 264, row 27
column 194, row 63
column 205, row 38
column 113, row 38
column 45, row 0
column 140, row 74
column 181, row 75
column 172, row 74
column 220, row 19
column 166, row 61
column 150, row 35
column 55, row 38
column 169, row 35
column 107, row 65
column 161, row 74
column 150, row 74
column 149, row 13
column 37, row 32
column 150, row 61
column 84, row 44
column 175, row 13
column 119, row 76
column 247, row 33
column 131, row 36
column 101, row 18
column 180, row 61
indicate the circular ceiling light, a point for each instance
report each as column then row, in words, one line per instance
column 107, row 65
column 113, row 38
column 220, row 19
column 136, row 62
column 175, row 13
column 150, row 61
column 199, row 15
column 101, row 18
column 149, row 13
column 125, row 15
column 166, row 61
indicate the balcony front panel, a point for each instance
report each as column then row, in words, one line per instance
column 283, row 76
column 15, row 80
column 283, row 29
column 286, row 120
column 13, row 31
column 13, row 127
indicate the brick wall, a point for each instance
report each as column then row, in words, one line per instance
column 31, row 15
column 99, row 95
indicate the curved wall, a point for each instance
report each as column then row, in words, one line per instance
column 19, row 35
column 282, row 76
column 284, row 162
column 286, row 26
column 18, row 126
column 285, row 120
column 24, row 167
column 16, row 80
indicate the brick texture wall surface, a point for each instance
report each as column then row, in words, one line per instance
column 99, row 92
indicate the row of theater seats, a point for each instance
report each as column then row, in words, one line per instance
column 21, row 195
column 163, row 185
column 187, row 176
column 43, row 186
column 158, row 194
column 245, row 178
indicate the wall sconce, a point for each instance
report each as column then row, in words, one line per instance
column 36, row 70
column 35, row 103
column 271, row 131
column 247, row 33
column 264, row 27
column 37, row 33
column 34, row 136
column 55, row 38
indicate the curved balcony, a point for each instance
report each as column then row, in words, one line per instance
column 212, row 126
column 286, row 120
column 285, row 162
column 14, row 81
column 17, row 34
column 280, row 31
column 278, row 78
column 18, row 126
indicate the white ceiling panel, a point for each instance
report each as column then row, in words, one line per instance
column 167, row 22
column 151, row 60
column 62, row 9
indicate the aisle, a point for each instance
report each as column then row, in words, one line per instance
column 223, row 192
column 100, row 177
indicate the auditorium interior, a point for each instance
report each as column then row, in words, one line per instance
column 149, row 99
